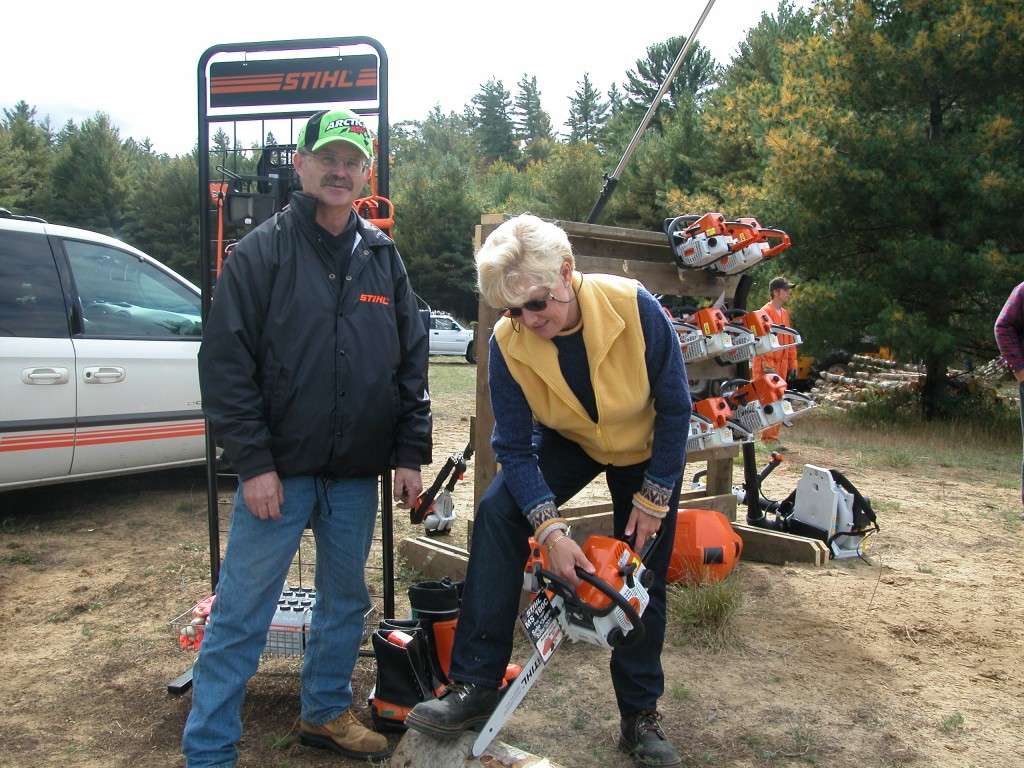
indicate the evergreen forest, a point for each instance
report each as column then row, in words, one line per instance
column 886, row 137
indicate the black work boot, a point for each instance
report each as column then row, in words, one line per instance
column 643, row 738
column 457, row 709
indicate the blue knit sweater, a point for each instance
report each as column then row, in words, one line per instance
column 513, row 419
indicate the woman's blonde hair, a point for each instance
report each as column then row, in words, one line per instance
column 523, row 254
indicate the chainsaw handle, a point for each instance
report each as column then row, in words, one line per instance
column 774, row 234
column 377, row 210
column 729, row 388
column 671, row 226
column 460, row 460
column 568, row 593
column 751, row 232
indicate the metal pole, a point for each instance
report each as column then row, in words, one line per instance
column 387, row 544
column 612, row 181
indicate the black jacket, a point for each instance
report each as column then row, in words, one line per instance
column 307, row 372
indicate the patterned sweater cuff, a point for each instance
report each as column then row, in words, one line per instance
column 653, row 497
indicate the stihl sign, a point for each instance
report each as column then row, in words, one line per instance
column 293, row 81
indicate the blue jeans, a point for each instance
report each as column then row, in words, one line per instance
column 494, row 579
column 342, row 515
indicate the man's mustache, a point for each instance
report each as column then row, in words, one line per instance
column 335, row 181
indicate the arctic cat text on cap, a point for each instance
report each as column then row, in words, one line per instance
column 332, row 125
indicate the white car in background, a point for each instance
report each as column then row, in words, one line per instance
column 448, row 337
column 98, row 348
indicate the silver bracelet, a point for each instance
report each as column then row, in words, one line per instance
column 564, row 535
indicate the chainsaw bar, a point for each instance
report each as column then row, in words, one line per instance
column 540, row 619
column 512, row 698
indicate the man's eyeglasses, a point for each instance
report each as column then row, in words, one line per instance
column 534, row 305
column 329, row 162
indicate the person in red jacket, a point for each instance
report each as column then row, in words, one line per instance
column 1009, row 330
column 782, row 362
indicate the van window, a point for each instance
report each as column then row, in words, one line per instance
column 31, row 301
column 122, row 295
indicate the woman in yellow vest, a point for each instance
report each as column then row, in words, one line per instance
column 586, row 377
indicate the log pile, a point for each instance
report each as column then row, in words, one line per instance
column 865, row 378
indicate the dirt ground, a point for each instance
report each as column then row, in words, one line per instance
column 911, row 659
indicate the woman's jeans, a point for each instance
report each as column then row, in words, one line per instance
column 494, row 580
column 342, row 515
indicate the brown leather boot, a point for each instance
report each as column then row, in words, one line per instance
column 346, row 736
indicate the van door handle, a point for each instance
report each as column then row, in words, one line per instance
column 45, row 376
column 103, row 374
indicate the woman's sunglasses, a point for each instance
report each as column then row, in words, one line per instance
column 534, row 305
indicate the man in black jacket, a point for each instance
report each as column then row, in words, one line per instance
column 313, row 371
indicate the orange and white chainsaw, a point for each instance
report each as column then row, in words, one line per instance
column 707, row 333
column 712, row 426
column 722, row 247
column 752, row 245
column 764, row 401
column 605, row 610
column 769, row 336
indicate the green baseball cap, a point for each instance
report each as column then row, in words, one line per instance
column 336, row 125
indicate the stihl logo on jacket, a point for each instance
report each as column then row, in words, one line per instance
column 374, row 299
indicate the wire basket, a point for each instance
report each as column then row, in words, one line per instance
column 288, row 634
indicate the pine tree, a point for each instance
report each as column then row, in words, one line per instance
column 531, row 121
column 587, row 113
column 28, row 156
column 894, row 158
column 696, row 75
column 91, row 173
column 495, row 129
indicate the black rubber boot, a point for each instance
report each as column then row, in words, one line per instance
column 643, row 738
column 435, row 604
column 403, row 675
column 458, row 709
column 435, row 600
column 435, row 673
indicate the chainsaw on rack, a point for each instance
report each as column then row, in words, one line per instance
column 721, row 247
column 764, row 401
column 605, row 610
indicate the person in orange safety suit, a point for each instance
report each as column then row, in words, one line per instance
column 782, row 362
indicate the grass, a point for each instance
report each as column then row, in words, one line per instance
column 954, row 724
column 701, row 613
column 680, row 693
column 983, row 445
column 16, row 527
column 22, row 558
column 453, row 379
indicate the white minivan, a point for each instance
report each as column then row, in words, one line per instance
column 98, row 346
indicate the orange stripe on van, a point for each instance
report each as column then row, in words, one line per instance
column 100, row 436
column 35, row 441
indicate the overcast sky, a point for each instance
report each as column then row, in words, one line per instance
column 137, row 61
